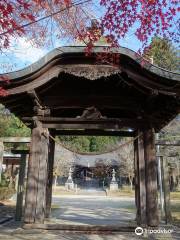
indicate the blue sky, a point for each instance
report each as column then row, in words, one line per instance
column 23, row 53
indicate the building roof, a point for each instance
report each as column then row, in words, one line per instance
column 66, row 82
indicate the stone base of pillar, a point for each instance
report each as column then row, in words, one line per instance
column 69, row 185
column 113, row 186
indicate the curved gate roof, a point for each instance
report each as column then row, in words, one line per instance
column 66, row 82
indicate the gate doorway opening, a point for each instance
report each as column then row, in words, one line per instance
column 94, row 188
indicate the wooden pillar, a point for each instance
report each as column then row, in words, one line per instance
column 35, row 203
column 136, row 175
column 166, row 188
column 1, row 159
column 20, row 188
column 151, row 178
column 50, row 176
column 140, row 189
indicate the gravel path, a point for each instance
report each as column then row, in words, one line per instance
column 93, row 210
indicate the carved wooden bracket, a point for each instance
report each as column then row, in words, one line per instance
column 91, row 72
column 92, row 113
column 38, row 108
column 42, row 111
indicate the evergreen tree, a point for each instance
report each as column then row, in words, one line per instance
column 164, row 54
column 11, row 126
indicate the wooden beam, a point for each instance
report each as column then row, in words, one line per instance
column 94, row 133
column 112, row 102
column 168, row 143
column 48, row 119
column 151, row 178
column 20, row 151
column 11, row 160
column 34, row 97
column 15, row 139
column 82, row 126
column 80, row 123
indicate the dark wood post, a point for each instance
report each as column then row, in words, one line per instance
column 151, row 178
column 50, row 176
column 20, row 189
column 166, row 188
column 35, row 204
column 136, row 176
column 140, row 180
column 1, row 158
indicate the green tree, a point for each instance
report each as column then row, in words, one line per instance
column 93, row 144
column 10, row 125
column 89, row 143
column 76, row 143
column 164, row 54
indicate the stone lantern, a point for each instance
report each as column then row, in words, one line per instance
column 113, row 184
column 69, row 183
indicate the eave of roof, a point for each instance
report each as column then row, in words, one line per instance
column 62, row 52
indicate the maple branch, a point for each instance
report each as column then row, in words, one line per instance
column 45, row 17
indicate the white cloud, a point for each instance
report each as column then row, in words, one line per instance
column 24, row 50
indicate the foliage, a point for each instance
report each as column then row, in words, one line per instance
column 12, row 14
column 38, row 19
column 4, row 181
column 102, row 169
column 10, row 125
column 65, row 18
column 164, row 54
column 89, row 143
column 6, row 193
column 145, row 18
column 171, row 133
column 175, row 211
column 126, row 156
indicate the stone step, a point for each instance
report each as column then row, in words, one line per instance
column 81, row 228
